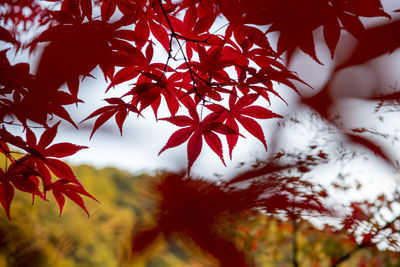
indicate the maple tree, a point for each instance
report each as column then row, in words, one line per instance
column 217, row 77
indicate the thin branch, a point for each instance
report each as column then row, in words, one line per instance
column 194, row 40
column 363, row 244
column 295, row 248
column 22, row 125
column 348, row 254
column 175, row 35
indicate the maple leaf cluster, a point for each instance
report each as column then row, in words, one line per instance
column 205, row 64
column 40, row 159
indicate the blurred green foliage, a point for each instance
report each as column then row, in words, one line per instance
column 37, row 236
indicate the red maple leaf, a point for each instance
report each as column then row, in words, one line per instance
column 118, row 108
column 6, row 193
column 43, row 157
column 195, row 130
column 62, row 188
column 241, row 110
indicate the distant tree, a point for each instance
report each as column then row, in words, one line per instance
column 217, row 77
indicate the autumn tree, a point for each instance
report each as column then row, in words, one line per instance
column 223, row 63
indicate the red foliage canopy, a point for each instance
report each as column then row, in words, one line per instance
column 215, row 50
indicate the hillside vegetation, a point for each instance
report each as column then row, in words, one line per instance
column 37, row 236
